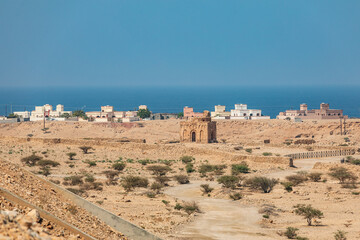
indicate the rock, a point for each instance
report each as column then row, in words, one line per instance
column 10, row 215
column 34, row 215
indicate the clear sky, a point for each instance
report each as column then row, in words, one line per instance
column 179, row 42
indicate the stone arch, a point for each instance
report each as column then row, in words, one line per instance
column 193, row 136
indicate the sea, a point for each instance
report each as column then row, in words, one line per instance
column 271, row 100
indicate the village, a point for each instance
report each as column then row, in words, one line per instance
column 108, row 114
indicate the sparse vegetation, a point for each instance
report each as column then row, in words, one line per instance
column 71, row 155
column 308, row 212
column 228, row 181
column 31, row 160
column 290, row 232
column 235, row 196
column 288, row 186
column 187, row 159
column 85, row 149
column 159, row 170
column 206, row 189
column 131, row 182
column 73, row 180
column 296, row 179
column 119, row 166
column 205, row 168
column 182, row 179
column 315, row 176
column 110, row 175
column 263, row 183
column 267, row 154
column 155, row 186
column 248, row 150
column 342, row 174
column 340, row 235
column 189, row 168
column 239, row 168
column 91, row 163
column 190, row 208
column 45, row 163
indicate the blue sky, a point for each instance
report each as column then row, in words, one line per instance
column 179, row 43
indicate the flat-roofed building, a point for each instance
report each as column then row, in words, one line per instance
column 242, row 112
column 304, row 113
column 220, row 112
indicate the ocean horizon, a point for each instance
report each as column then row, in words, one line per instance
column 271, row 100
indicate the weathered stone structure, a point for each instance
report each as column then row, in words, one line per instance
column 198, row 129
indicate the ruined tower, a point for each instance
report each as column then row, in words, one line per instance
column 198, row 129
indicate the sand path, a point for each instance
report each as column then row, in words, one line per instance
column 226, row 219
column 220, row 218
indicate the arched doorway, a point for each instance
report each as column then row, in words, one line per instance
column 193, row 137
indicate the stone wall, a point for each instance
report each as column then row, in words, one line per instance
column 322, row 154
column 200, row 130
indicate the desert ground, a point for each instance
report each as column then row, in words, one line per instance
column 156, row 208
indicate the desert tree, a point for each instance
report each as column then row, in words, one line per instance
column 308, row 212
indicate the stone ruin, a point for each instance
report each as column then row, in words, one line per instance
column 198, row 129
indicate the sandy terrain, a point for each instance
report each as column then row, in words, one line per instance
column 228, row 219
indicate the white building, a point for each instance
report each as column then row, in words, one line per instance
column 220, row 112
column 24, row 114
column 107, row 114
column 47, row 109
column 242, row 112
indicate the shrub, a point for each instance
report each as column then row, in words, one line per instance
column 162, row 180
column 308, row 212
column 228, row 181
column 151, row 194
column 45, row 170
column 110, row 175
column 71, row 155
column 155, row 186
column 144, row 162
column 239, row 168
column 205, row 188
column 92, row 186
column 48, row 163
column 340, row 235
column 248, row 150
column 190, row 208
column 263, row 183
column 236, row 196
column 288, row 186
column 355, row 161
column 296, row 179
column 89, row 178
column 178, row 206
column 165, row 202
column 315, row 176
column 31, row 160
column 291, row 232
column 182, row 179
column 189, row 168
column 159, row 170
column 85, row 149
column 73, row 180
column 267, row 154
column 130, row 182
column 342, row 174
column 187, row 159
column 205, row 168
column 118, row 166
column 91, row 163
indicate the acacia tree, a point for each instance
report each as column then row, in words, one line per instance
column 308, row 212
column 85, row 149
column 71, row 155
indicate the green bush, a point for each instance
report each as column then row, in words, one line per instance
column 296, row 179
column 315, row 176
column 48, row 163
column 31, row 160
column 248, row 150
column 342, row 174
column 110, row 175
column 119, row 166
column 205, row 188
column 187, row 159
column 155, row 186
column 267, row 154
column 71, row 155
column 288, row 186
column 162, row 180
column 205, row 168
column 189, row 168
column 308, row 212
column 131, row 182
column 85, row 149
column 290, row 232
column 91, row 163
column 182, row 179
column 228, row 181
column 236, row 196
column 239, row 168
column 159, row 170
column 190, row 208
column 73, row 180
column 263, row 183
column 340, row 235
column 178, row 206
